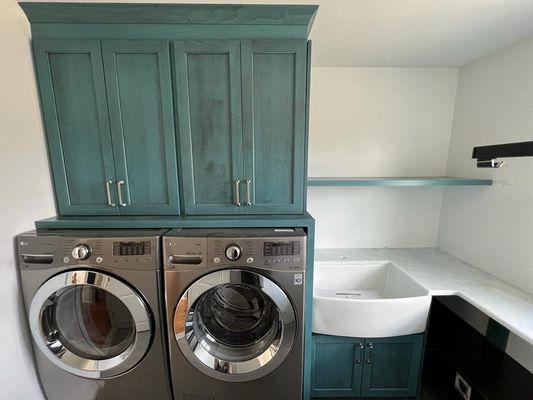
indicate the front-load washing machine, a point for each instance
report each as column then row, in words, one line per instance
column 235, row 310
column 93, row 300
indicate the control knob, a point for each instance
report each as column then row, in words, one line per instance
column 81, row 252
column 233, row 252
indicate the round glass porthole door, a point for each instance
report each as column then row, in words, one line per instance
column 235, row 325
column 90, row 324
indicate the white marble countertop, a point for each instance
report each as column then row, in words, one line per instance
column 445, row 275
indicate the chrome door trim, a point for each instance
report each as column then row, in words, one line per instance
column 54, row 350
column 225, row 370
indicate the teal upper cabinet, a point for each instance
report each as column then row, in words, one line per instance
column 162, row 109
column 139, row 90
column 73, row 97
column 274, row 115
column 111, row 141
column 242, row 155
column 208, row 93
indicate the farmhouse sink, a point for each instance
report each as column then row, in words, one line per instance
column 367, row 299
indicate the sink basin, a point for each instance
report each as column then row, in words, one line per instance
column 367, row 299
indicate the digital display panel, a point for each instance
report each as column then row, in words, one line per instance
column 131, row 248
column 281, row 249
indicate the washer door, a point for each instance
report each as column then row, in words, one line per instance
column 90, row 324
column 235, row 325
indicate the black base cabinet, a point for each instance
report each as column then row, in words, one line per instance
column 357, row 367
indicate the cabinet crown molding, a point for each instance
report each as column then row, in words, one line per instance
column 275, row 21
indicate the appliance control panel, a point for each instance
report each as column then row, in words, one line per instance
column 42, row 251
column 273, row 251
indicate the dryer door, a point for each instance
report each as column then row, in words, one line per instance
column 90, row 324
column 235, row 325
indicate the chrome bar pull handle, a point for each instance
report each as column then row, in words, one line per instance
column 237, row 200
column 248, row 193
column 120, row 185
column 370, row 351
column 359, row 353
column 108, row 192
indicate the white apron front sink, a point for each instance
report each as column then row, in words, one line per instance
column 367, row 299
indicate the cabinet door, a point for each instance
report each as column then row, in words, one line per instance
column 208, row 93
column 337, row 364
column 139, row 89
column 392, row 366
column 72, row 89
column 274, row 114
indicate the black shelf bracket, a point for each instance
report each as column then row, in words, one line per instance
column 487, row 156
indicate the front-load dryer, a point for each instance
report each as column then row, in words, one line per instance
column 94, row 310
column 235, row 310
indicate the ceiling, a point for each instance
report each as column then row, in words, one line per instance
column 409, row 33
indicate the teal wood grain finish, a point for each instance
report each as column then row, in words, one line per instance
column 73, row 98
column 169, row 21
column 208, row 93
column 337, row 365
column 186, row 221
column 274, row 127
column 139, row 89
column 167, row 31
column 205, row 14
column 392, row 366
column 404, row 182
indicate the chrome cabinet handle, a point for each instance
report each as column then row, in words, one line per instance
column 237, row 192
column 248, row 193
column 371, row 349
column 359, row 353
column 108, row 192
column 120, row 185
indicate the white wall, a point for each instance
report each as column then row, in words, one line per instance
column 379, row 122
column 492, row 227
column 26, row 194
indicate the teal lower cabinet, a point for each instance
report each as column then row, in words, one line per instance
column 392, row 366
column 337, row 366
column 355, row 367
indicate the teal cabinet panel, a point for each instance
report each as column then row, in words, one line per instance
column 356, row 367
column 337, row 366
column 73, row 98
column 139, row 89
column 274, row 124
column 208, row 93
column 392, row 366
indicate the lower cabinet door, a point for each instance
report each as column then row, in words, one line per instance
column 337, row 366
column 391, row 366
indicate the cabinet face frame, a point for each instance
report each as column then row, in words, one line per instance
column 164, row 181
column 192, row 187
column 256, row 105
column 64, row 181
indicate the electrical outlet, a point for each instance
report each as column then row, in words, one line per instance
column 462, row 386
